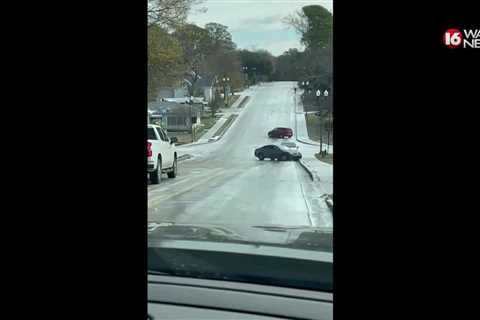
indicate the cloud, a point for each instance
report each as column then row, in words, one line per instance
column 276, row 47
column 263, row 20
column 256, row 22
column 274, row 22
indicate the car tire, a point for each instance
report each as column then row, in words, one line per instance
column 283, row 158
column 156, row 175
column 261, row 158
column 172, row 174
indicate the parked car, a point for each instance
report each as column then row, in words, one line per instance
column 161, row 154
column 274, row 152
column 280, row 133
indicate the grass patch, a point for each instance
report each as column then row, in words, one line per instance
column 232, row 99
column 327, row 158
column 208, row 122
column 313, row 126
column 225, row 126
column 317, row 126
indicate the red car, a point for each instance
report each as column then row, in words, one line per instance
column 280, row 133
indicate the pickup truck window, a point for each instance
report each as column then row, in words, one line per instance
column 151, row 134
column 162, row 134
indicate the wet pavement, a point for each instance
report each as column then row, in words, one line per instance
column 223, row 183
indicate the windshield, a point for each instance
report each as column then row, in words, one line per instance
column 226, row 74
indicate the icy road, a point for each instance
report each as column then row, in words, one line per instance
column 225, row 184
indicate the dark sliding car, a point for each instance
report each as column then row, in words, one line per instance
column 274, row 152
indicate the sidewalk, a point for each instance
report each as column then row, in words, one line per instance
column 301, row 127
column 322, row 172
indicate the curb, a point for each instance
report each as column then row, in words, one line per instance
column 329, row 201
column 243, row 102
column 307, row 168
column 329, row 204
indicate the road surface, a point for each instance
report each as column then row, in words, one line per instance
column 225, row 184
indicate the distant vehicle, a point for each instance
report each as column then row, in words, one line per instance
column 274, row 152
column 161, row 154
column 280, row 133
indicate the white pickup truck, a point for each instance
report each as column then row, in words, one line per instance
column 161, row 154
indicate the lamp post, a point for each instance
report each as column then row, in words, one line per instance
column 329, row 128
column 325, row 94
column 225, row 80
column 245, row 71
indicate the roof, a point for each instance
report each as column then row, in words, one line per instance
column 159, row 105
column 177, row 100
column 173, row 107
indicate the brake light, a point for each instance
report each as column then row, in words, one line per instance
column 149, row 149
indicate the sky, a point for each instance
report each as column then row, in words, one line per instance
column 256, row 24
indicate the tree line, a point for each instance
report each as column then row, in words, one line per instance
column 179, row 51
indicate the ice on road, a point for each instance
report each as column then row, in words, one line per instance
column 225, row 184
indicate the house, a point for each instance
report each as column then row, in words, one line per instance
column 186, row 100
column 175, row 116
column 172, row 92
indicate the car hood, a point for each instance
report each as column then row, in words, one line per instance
column 299, row 237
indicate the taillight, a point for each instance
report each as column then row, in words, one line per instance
column 149, row 149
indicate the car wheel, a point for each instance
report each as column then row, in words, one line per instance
column 283, row 158
column 156, row 176
column 173, row 173
column 261, row 158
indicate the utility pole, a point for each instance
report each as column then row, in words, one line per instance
column 328, row 135
column 321, row 138
column 191, row 122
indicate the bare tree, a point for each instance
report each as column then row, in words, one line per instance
column 298, row 21
column 314, row 24
column 168, row 14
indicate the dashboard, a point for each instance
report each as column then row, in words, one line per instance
column 173, row 297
